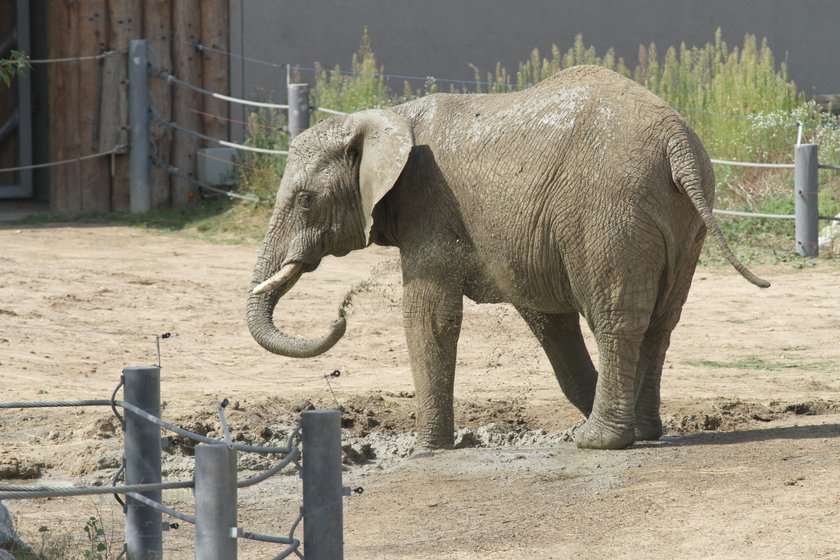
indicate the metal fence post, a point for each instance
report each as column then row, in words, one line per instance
column 323, row 527
column 806, row 199
column 298, row 109
column 140, row 192
column 215, row 502
column 143, row 530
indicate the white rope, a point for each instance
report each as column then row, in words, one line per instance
column 74, row 58
column 114, row 150
column 172, row 79
column 253, row 149
column 330, row 111
column 185, row 130
column 748, row 164
column 753, row 215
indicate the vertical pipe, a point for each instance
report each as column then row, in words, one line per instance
column 24, row 83
column 140, row 192
column 298, row 109
column 323, row 532
column 143, row 531
column 215, row 502
column 806, row 198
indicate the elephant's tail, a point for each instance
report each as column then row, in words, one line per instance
column 687, row 163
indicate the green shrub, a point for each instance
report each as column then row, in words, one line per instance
column 742, row 104
column 363, row 87
column 260, row 174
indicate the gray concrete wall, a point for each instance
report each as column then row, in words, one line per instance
column 442, row 38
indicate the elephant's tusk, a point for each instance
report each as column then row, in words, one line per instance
column 279, row 278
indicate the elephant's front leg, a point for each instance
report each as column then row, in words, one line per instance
column 563, row 343
column 432, row 312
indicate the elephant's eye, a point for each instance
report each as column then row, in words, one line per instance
column 305, row 199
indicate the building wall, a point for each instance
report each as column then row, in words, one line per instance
column 443, row 37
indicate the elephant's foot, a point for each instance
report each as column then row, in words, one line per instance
column 595, row 434
column 649, row 429
column 433, row 440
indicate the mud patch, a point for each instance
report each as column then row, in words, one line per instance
column 12, row 468
column 725, row 415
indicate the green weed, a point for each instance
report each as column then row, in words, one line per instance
column 97, row 540
column 756, row 363
column 740, row 101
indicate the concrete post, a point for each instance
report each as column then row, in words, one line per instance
column 806, row 199
column 24, row 83
column 140, row 192
column 298, row 109
column 323, row 529
column 143, row 529
column 215, row 502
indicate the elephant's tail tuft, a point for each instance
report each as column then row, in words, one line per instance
column 692, row 172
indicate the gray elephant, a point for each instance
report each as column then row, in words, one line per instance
column 583, row 195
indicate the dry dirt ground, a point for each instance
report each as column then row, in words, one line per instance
column 749, row 468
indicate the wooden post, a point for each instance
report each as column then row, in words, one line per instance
column 139, row 165
column 215, row 28
column 157, row 17
column 64, row 106
column 94, row 174
column 187, row 67
column 125, row 19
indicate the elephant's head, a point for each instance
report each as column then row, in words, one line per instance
column 336, row 173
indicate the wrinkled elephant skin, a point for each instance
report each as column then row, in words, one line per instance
column 583, row 195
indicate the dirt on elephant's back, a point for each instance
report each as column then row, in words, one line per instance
column 749, row 468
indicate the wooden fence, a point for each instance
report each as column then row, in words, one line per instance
column 88, row 104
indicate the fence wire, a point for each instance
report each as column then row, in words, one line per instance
column 175, row 172
column 751, row 164
column 99, row 56
column 119, row 149
column 291, row 452
column 173, row 80
column 175, row 126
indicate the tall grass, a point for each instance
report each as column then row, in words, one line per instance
column 260, row 174
column 719, row 90
column 739, row 99
column 363, row 87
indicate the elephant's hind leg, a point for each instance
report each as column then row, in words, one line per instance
column 611, row 424
column 561, row 338
column 648, row 425
column 654, row 346
column 619, row 324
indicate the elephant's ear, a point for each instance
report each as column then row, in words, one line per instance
column 383, row 140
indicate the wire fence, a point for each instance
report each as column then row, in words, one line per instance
column 135, row 491
column 205, row 187
column 184, row 438
column 16, row 491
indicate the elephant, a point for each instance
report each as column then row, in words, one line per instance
column 583, row 195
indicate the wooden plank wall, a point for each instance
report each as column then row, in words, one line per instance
column 88, row 99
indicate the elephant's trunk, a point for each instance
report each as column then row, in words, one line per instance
column 265, row 293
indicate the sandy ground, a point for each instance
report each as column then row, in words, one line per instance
column 749, row 468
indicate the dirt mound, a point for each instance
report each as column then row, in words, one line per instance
column 724, row 415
